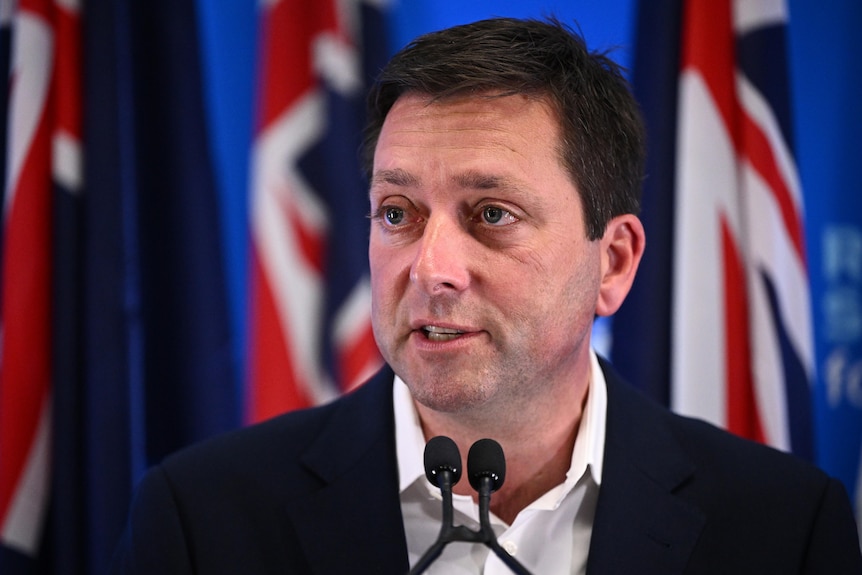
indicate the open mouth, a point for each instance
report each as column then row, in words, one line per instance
column 435, row 333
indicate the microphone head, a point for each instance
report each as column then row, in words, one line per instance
column 486, row 459
column 441, row 453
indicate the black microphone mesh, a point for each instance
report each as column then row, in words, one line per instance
column 486, row 458
column 442, row 453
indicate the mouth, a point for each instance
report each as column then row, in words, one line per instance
column 436, row 333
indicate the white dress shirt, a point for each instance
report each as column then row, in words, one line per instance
column 550, row 536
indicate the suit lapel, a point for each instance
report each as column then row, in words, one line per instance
column 353, row 523
column 640, row 525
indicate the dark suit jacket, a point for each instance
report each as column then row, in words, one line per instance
column 317, row 492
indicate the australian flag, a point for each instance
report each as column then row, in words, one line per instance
column 310, row 332
column 720, row 326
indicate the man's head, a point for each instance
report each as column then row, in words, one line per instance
column 487, row 267
column 601, row 133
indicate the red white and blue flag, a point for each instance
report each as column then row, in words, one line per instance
column 740, row 241
column 310, row 332
column 724, row 203
column 43, row 154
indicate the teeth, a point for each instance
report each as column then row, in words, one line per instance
column 436, row 333
column 437, row 329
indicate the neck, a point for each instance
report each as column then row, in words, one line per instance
column 537, row 443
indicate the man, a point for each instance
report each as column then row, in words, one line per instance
column 505, row 162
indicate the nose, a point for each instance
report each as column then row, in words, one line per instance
column 442, row 260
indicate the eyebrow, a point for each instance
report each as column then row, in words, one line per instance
column 396, row 177
column 479, row 181
column 469, row 180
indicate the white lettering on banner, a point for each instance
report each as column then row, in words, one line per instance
column 842, row 253
column 842, row 312
column 843, row 379
column 841, row 304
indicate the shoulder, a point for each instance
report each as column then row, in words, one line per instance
column 635, row 417
column 748, row 494
column 240, row 502
column 264, row 455
column 770, row 502
column 721, row 458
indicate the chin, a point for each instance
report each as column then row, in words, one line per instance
column 449, row 397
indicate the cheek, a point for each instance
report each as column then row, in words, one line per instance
column 380, row 289
column 569, row 292
column 378, row 259
column 388, row 276
column 378, row 280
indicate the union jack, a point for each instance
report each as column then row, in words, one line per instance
column 44, row 153
column 740, row 240
column 310, row 335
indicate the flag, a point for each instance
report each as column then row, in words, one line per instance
column 645, row 361
column 116, row 346
column 43, row 159
column 739, row 340
column 309, row 326
column 741, row 263
column 829, row 149
column 157, row 370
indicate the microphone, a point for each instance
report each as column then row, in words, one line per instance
column 486, row 470
column 443, row 470
column 442, row 458
column 485, row 461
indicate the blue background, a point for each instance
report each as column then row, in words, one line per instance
column 826, row 75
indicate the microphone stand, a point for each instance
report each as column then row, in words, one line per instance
column 489, row 538
column 449, row 532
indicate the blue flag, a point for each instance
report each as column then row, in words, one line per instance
column 747, row 307
column 726, row 300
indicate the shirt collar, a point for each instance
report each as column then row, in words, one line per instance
column 587, row 455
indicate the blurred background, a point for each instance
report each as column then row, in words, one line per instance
column 184, row 233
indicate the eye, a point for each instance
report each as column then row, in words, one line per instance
column 497, row 216
column 393, row 216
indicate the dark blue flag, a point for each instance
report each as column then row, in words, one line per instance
column 145, row 364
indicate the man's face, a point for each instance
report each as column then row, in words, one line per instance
column 484, row 286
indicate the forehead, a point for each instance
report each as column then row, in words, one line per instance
column 513, row 131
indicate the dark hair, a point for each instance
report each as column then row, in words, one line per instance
column 602, row 135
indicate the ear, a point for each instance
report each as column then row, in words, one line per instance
column 622, row 247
